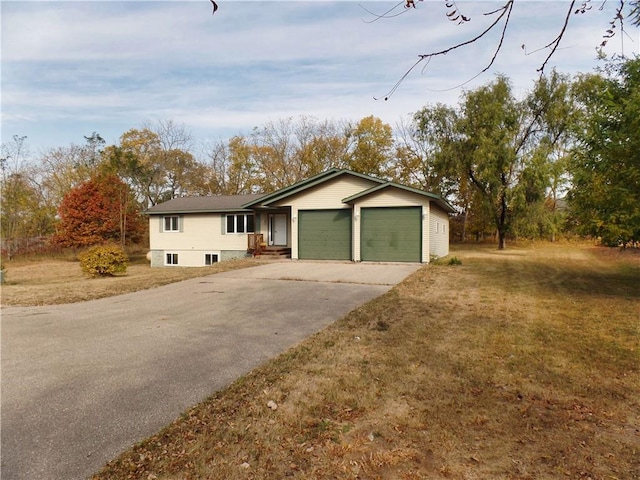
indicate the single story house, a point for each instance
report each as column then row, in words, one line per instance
column 335, row 215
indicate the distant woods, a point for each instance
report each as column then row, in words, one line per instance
column 563, row 159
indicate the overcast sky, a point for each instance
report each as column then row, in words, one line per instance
column 77, row 67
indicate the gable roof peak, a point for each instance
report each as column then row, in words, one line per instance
column 308, row 183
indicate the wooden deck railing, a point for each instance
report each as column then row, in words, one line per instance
column 255, row 243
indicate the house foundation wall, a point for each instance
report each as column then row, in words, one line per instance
column 233, row 255
column 194, row 258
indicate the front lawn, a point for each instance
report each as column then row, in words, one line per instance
column 522, row 364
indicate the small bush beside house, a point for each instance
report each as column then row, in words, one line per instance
column 104, row 261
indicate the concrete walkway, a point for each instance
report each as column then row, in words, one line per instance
column 83, row 382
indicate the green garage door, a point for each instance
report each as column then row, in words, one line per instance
column 391, row 234
column 324, row 234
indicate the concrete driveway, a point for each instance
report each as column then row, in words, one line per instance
column 83, row 382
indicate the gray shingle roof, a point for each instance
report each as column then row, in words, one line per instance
column 208, row 204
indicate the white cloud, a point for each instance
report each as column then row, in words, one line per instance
column 69, row 68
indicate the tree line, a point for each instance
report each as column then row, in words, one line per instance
column 565, row 158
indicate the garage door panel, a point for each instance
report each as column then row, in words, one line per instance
column 324, row 234
column 391, row 234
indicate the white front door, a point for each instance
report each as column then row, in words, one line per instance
column 278, row 229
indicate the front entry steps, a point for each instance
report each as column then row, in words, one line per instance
column 275, row 253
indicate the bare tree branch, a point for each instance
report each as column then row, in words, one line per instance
column 504, row 10
column 453, row 14
column 386, row 14
column 556, row 41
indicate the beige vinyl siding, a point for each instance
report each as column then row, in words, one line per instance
column 189, row 258
column 438, row 232
column 392, row 197
column 328, row 195
column 199, row 234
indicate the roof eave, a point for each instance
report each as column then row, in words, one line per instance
column 203, row 210
column 436, row 198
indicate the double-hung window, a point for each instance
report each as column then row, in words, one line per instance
column 240, row 223
column 171, row 223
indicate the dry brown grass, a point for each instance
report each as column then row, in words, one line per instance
column 48, row 281
column 521, row 364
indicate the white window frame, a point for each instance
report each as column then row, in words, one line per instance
column 169, row 258
column 174, row 222
column 236, row 217
column 217, row 259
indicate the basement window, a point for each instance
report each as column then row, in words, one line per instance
column 171, row 259
column 210, row 258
